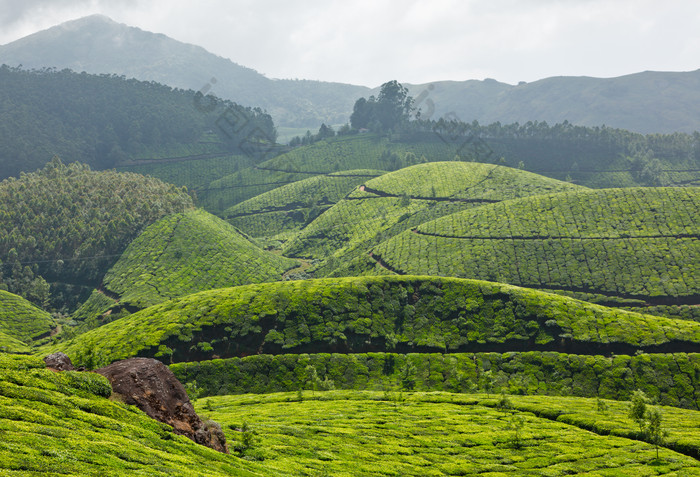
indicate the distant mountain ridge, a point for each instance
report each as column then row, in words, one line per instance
column 97, row 44
column 647, row 102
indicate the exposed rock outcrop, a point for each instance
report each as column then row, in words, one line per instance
column 59, row 362
column 153, row 388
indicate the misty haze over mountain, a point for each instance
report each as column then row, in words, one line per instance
column 645, row 102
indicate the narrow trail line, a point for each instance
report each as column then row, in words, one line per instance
column 552, row 237
column 382, row 194
column 385, row 265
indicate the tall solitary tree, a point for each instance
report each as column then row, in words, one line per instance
column 391, row 108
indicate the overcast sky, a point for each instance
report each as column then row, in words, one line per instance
column 370, row 42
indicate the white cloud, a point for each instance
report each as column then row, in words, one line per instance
column 369, row 42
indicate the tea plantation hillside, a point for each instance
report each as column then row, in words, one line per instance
column 288, row 208
column 62, row 227
column 8, row 344
column 375, row 314
column 56, row 424
column 179, row 255
column 438, row 434
column 364, row 151
column 640, row 244
column 400, row 200
column 21, row 320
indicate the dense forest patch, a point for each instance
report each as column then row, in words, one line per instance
column 106, row 120
column 63, row 226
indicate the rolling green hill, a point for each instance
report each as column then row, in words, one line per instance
column 65, row 225
column 56, row 424
column 183, row 254
column 594, row 157
column 288, row 208
column 631, row 243
column 374, row 314
column 403, row 199
column 21, row 320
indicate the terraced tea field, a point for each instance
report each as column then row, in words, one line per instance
column 401, row 200
column 630, row 243
column 365, row 151
column 288, row 208
column 390, row 434
column 21, row 320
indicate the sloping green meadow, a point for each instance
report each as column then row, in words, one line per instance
column 57, row 424
column 374, row 314
column 8, row 344
column 392, row 434
column 22, row 321
column 640, row 243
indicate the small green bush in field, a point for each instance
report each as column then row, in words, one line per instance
column 516, row 423
column 638, row 409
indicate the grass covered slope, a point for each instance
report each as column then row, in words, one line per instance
column 22, row 321
column 403, row 199
column 63, row 424
column 288, row 208
column 375, row 314
column 186, row 253
column 8, row 344
column 386, row 434
column 641, row 243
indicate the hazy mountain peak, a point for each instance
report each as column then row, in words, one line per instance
column 97, row 44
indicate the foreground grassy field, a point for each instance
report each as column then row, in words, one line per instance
column 435, row 434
